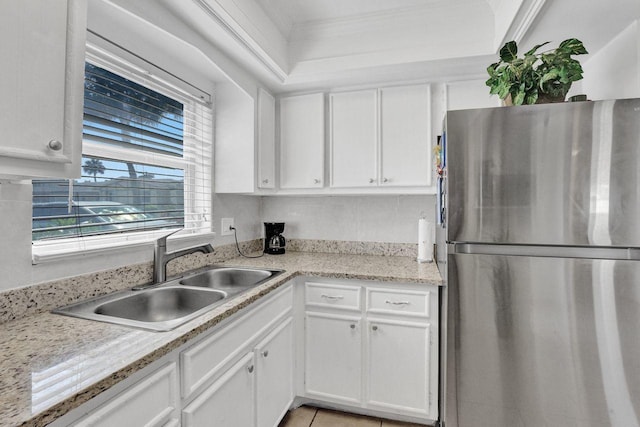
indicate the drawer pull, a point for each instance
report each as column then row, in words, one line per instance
column 332, row 297
column 374, row 327
column 397, row 302
column 250, row 369
column 265, row 353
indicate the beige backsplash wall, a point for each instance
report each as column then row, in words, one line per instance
column 384, row 218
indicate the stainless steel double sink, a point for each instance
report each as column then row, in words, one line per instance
column 170, row 304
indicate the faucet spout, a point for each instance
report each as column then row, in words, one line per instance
column 161, row 257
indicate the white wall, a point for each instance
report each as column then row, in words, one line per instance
column 614, row 71
column 246, row 212
column 470, row 94
column 385, row 218
column 15, row 232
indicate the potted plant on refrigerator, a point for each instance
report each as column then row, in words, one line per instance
column 537, row 77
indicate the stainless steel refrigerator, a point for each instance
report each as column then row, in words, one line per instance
column 539, row 243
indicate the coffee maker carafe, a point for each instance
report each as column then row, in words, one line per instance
column 274, row 242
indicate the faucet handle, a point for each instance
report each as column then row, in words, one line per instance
column 162, row 241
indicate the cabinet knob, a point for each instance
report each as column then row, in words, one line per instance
column 55, row 145
column 265, row 353
column 374, row 327
column 371, row 180
column 385, row 179
column 265, row 181
column 316, row 181
column 250, row 368
column 352, row 326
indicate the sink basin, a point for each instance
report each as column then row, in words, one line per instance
column 230, row 279
column 168, row 305
column 160, row 304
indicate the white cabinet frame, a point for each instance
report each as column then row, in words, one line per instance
column 43, row 45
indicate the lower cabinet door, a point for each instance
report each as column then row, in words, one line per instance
column 152, row 402
column 333, row 352
column 399, row 366
column 274, row 366
column 229, row 402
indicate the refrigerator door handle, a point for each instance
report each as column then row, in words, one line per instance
column 590, row 252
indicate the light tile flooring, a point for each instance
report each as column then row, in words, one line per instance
column 306, row 416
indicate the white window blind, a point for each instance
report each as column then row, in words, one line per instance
column 147, row 161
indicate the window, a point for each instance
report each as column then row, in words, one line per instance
column 147, row 153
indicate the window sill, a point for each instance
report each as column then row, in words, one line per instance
column 48, row 251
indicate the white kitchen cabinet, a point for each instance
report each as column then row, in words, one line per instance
column 398, row 366
column 354, row 138
column 205, row 360
column 274, row 375
column 380, row 355
column 229, row 401
column 257, row 390
column 381, row 138
column 266, row 140
column 405, row 136
column 302, row 141
column 402, row 350
column 259, row 347
column 42, row 45
column 153, row 401
column 333, row 359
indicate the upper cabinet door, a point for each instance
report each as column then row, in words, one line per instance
column 354, row 139
column 42, row 45
column 302, row 141
column 266, row 140
column 405, row 126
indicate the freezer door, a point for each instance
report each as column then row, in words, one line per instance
column 534, row 341
column 555, row 174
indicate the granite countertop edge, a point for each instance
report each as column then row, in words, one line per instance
column 199, row 325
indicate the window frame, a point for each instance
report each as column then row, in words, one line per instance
column 156, row 79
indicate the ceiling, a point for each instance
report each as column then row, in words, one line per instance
column 304, row 45
column 289, row 13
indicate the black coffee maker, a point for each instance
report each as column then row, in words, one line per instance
column 274, row 242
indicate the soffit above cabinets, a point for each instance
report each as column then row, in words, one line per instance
column 307, row 45
column 310, row 44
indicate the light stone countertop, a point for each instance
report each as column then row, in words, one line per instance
column 92, row 356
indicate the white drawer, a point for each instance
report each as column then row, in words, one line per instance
column 387, row 301
column 336, row 296
column 204, row 360
column 152, row 401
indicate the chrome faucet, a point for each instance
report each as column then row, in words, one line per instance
column 161, row 257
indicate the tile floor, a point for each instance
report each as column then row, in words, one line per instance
column 306, row 416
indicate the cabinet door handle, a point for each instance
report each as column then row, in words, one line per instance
column 374, row 327
column 352, row 326
column 385, row 179
column 332, row 297
column 371, row 180
column 55, row 145
column 265, row 353
column 265, row 181
column 250, row 369
column 316, row 181
column 397, row 302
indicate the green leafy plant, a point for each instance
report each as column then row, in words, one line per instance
column 545, row 76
